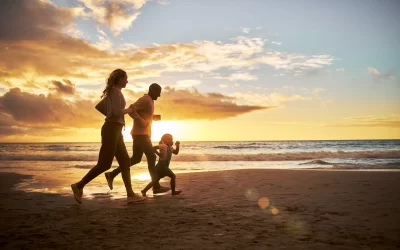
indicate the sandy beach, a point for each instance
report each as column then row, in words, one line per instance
column 240, row 209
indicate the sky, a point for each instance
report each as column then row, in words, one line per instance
column 230, row 70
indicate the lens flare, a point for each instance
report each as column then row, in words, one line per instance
column 275, row 211
column 263, row 202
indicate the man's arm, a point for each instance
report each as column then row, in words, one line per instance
column 137, row 118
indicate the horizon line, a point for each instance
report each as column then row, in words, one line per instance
column 394, row 139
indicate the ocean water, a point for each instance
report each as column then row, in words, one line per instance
column 55, row 165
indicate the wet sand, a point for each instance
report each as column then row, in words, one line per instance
column 240, row 209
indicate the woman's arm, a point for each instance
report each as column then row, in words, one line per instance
column 126, row 111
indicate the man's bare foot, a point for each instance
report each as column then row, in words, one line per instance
column 143, row 193
column 176, row 192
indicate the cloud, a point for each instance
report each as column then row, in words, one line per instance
column 164, row 2
column 66, row 88
column 273, row 99
column 31, row 109
column 241, row 76
column 246, row 30
column 184, row 104
column 118, row 15
column 280, row 97
column 32, row 58
column 190, row 104
column 104, row 43
column 21, row 19
column 32, row 40
column 383, row 76
column 117, row 19
column 276, row 43
column 316, row 91
column 373, row 71
column 223, row 86
column 186, row 83
column 340, row 70
column 295, row 63
column 238, row 54
column 392, row 121
column 23, row 112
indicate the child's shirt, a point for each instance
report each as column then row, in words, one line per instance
column 165, row 155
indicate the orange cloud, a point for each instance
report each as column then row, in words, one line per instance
column 32, row 41
column 66, row 88
column 28, row 109
column 22, row 111
column 182, row 104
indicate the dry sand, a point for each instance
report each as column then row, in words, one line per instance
column 307, row 209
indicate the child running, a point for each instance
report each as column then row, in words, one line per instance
column 162, row 167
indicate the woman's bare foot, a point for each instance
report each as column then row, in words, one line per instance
column 78, row 192
column 135, row 199
column 109, row 180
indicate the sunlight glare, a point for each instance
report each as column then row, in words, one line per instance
column 126, row 133
column 175, row 128
column 141, row 177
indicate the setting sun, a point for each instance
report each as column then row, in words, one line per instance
column 176, row 128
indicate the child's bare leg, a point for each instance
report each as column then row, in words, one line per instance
column 147, row 188
column 173, row 182
column 173, row 178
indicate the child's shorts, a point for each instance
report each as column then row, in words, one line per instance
column 164, row 171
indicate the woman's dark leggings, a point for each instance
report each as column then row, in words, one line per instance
column 112, row 144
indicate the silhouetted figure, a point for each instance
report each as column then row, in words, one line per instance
column 142, row 114
column 112, row 106
column 162, row 167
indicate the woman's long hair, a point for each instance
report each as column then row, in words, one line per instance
column 114, row 77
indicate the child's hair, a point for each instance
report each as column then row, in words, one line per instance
column 164, row 137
